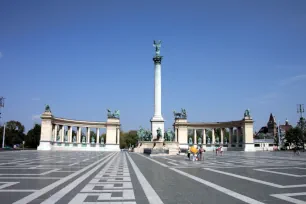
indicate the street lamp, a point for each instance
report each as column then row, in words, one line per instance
column 278, row 134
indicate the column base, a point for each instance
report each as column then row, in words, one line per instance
column 44, row 146
column 155, row 124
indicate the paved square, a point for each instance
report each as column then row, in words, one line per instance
column 130, row 178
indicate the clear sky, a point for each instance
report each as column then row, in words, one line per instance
column 220, row 58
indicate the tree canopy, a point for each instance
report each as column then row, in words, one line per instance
column 32, row 138
column 14, row 133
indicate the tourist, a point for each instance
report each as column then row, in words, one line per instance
column 188, row 153
column 221, row 150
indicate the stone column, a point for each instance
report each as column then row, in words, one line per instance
column 195, row 136
column 157, row 120
column 230, row 135
column 55, row 133
column 88, row 135
column 98, row 136
column 79, row 133
column 118, row 135
column 221, row 133
column 213, row 136
column 204, row 136
column 62, row 133
column 69, row 133
column 237, row 135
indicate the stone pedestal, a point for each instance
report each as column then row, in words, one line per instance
column 46, row 131
column 155, row 124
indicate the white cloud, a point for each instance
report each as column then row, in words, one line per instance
column 1, row 55
column 35, row 117
column 293, row 79
column 35, row 99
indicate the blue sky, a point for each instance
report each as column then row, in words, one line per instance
column 220, row 58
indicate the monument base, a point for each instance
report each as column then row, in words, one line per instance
column 157, row 148
column 44, row 146
column 155, row 124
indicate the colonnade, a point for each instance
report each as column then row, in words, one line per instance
column 54, row 136
column 58, row 135
column 234, row 137
column 240, row 133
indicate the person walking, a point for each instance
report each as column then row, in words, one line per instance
column 188, row 153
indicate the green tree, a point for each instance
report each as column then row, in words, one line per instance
column 32, row 138
column 14, row 133
column 131, row 138
column 295, row 137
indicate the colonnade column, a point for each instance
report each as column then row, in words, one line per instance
column 237, row 136
column 62, row 133
column 213, row 136
column 118, row 135
column 195, row 136
column 79, row 133
column 204, row 136
column 230, row 135
column 69, row 133
column 221, row 133
column 88, row 135
column 55, row 133
column 98, row 135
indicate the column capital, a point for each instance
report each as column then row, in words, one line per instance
column 157, row 59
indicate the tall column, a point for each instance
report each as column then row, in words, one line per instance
column 204, row 136
column 62, row 133
column 157, row 121
column 213, row 136
column 98, row 136
column 70, row 134
column 88, row 135
column 55, row 133
column 221, row 133
column 79, row 133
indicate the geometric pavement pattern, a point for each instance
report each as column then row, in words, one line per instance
column 130, row 178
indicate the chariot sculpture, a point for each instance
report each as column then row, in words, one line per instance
column 181, row 115
column 116, row 114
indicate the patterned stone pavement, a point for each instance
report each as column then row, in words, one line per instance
column 130, row 178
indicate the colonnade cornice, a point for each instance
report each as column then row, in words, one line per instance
column 209, row 125
column 78, row 123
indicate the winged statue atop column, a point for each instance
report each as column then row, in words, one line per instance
column 157, row 45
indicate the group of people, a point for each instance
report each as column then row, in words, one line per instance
column 196, row 153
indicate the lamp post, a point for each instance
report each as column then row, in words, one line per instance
column 278, row 134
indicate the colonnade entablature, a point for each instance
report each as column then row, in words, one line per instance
column 230, row 134
column 66, row 134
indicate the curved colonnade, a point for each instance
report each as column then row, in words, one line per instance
column 57, row 134
column 240, row 134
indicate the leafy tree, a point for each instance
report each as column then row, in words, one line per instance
column 74, row 133
column 14, row 133
column 32, row 138
column 295, row 137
